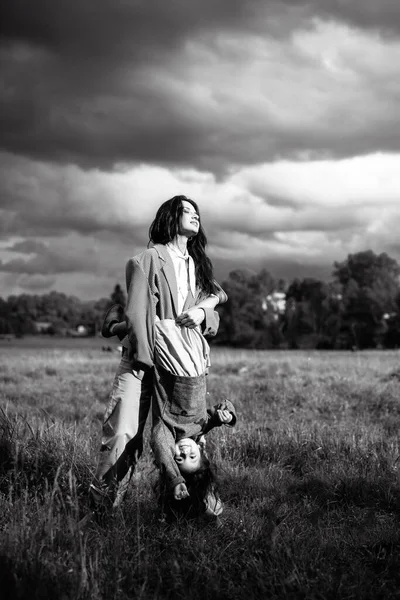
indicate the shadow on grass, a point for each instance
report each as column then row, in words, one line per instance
column 32, row 579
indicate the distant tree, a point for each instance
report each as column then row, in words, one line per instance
column 391, row 337
column 20, row 313
column 368, row 271
column 244, row 322
column 306, row 309
column 291, row 328
column 370, row 287
column 118, row 296
column 5, row 318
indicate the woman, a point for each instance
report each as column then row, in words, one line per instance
column 173, row 279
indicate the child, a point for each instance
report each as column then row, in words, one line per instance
column 181, row 419
column 196, row 494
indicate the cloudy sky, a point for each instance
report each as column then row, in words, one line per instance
column 280, row 118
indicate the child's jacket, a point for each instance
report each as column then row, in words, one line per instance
column 179, row 402
column 180, row 411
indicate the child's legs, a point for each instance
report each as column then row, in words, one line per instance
column 124, row 421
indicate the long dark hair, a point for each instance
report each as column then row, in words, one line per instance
column 165, row 227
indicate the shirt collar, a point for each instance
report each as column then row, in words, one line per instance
column 178, row 253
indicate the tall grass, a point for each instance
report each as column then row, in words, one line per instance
column 309, row 478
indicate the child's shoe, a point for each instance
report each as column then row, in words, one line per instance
column 115, row 314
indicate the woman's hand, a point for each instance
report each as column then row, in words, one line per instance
column 191, row 318
column 180, row 491
column 225, row 416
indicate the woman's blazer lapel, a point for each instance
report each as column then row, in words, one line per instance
column 167, row 268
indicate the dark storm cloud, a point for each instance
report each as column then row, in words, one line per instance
column 74, row 91
column 83, row 82
column 115, row 29
column 382, row 15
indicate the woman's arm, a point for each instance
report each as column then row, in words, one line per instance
column 195, row 316
column 139, row 314
column 190, row 318
column 222, row 295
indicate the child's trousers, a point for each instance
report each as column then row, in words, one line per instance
column 122, row 434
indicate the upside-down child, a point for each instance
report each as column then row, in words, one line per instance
column 181, row 420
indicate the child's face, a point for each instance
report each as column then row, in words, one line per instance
column 187, row 456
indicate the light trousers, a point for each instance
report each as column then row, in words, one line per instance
column 122, row 434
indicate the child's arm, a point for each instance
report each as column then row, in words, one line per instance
column 224, row 415
column 220, row 414
column 163, row 446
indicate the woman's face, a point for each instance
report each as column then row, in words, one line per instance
column 187, row 456
column 189, row 223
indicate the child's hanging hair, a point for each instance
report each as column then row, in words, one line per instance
column 203, row 495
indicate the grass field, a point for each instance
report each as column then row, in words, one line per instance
column 309, row 478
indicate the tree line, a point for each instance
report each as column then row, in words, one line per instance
column 359, row 308
column 54, row 313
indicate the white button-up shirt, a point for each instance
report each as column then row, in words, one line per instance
column 185, row 274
